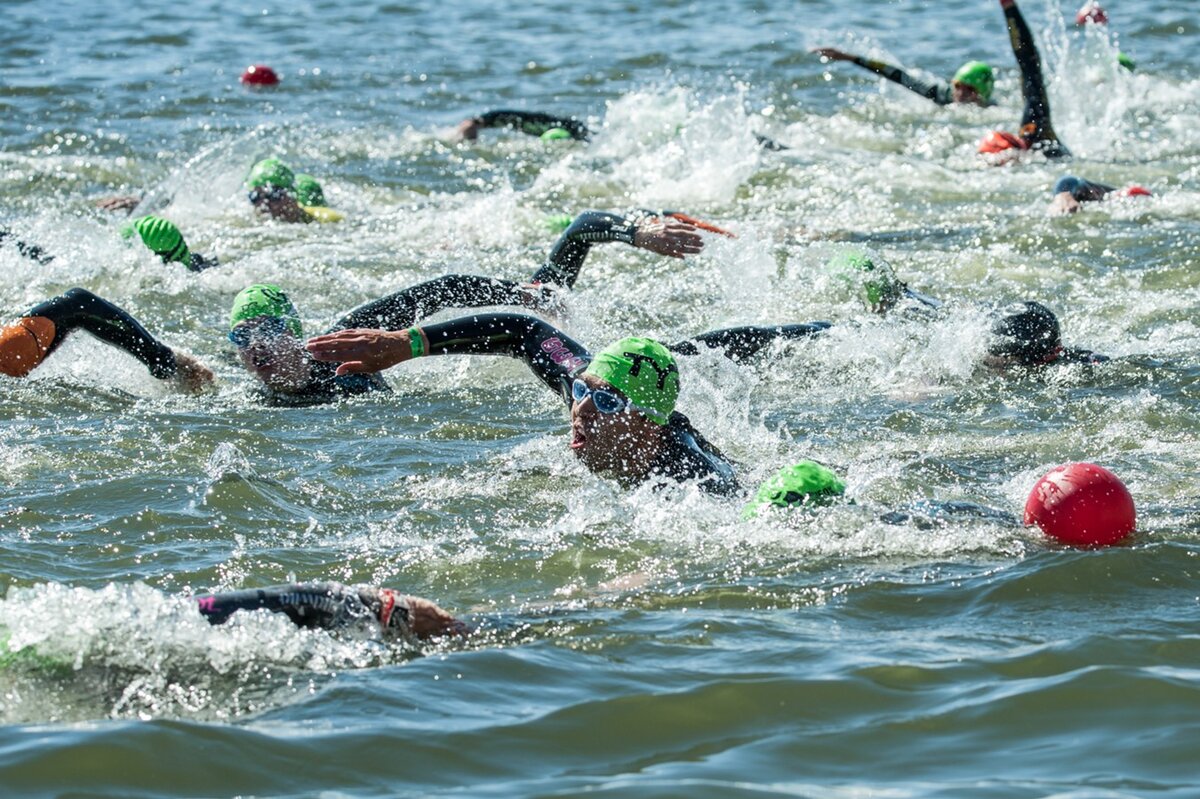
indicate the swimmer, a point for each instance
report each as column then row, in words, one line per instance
column 331, row 606
column 27, row 342
column 164, row 239
column 266, row 329
column 1071, row 192
column 972, row 84
column 1036, row 132
column 624, row 425
column 31, row 251
column 280, row 193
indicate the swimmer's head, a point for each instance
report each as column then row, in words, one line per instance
column 644, row 371
column 1028, row 334
column 976, row 76
column 309, row 191
column 161, row 236
column 805, row 484
column 264, row 299
column 1126, row 62
column 265, row 328
column 872, row 279
column 556, row 134
column 271, row 173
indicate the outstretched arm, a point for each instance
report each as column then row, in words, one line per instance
column 531, row 122
column 940, row 93
column 49, row 323
column 1035, row 121
column 674, row 237
column 550, row 353
column 743, row 342
column 31, row 251
column 405, row 307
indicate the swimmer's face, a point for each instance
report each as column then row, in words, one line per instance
column 963, row 93
column 611, row 444
column 278, row 204
column 276, row 357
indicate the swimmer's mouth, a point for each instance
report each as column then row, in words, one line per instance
column 578, row 439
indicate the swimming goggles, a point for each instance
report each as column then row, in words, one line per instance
column 605, row 401
column 265, row 327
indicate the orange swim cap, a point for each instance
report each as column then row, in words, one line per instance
column 23, row 345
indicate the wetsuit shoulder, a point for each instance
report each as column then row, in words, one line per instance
column 688, row 455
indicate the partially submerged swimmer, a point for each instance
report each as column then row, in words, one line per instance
column 1071, row 192
column 165, row 240
column 275, row 190
column 26, row 343
column 550, row 127
column 973, row 83
column 331, row 606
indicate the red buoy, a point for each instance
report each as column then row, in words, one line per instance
column 1082, row 504
column 259, row 75
column 1091, row 12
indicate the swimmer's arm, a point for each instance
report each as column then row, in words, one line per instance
column 31, row 251
column 1035, row 121
column 551, row 354
column 307, row 605
column 531, row 122
column 738, row 343
column 404, row 308
column 937, row 92
column 672, row 237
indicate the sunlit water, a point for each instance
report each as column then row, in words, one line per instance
column 631, row 643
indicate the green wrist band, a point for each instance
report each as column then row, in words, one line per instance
column 416, row 341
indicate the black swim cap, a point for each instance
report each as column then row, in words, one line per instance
column 1030, row 333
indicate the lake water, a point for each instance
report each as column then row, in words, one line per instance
column 632, row 644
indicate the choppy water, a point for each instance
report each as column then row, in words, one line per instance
column 631, row 644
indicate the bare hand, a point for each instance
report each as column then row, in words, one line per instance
column 833, row 54
column 361, row 350
column 468, row 129
column 1063, row 203
column 671, row 238
column 191, row 376
column 427, row 620
column 122, row 203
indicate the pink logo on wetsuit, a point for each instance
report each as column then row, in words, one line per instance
column 562, row 356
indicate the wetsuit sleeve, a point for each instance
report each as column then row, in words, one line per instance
column 31, row 251
column 402, row 309
column 80, row 309
column 553, row 356
column 743, row 342
column 567, row 256
column 533, row 123
column 1035, row 121
column 940, row 93
column 313, row 605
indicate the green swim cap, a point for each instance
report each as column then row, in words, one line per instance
column 264, row 299
column 644, row 371
column 161, row 236
column 271, row 172
column 880, row 289
column 805, row 484
column 1126, row 62
column 556, row 134
column 308, row 191
column 557, row 223
column 979, row 76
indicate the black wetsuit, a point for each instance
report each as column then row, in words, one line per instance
column 940, row 93
column 314, row 605
column 1036, row 129
column 31, row 251
column 80, row 309
column 534, row 123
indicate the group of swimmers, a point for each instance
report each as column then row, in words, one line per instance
column 624, row 424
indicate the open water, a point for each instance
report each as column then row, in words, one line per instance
column 632, row 644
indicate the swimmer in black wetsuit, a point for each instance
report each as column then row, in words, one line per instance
column 623, row 419
column 1036, row 132
column 31, row 251
column 1070, row 192
column 161, row 237
column 31, row 339
column 973, row 83
column 266, row 327
column 331, row 606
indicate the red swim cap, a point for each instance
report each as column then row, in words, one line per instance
column 1134, row 191
column 998, row 141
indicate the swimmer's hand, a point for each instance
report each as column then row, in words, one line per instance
column 427, row 620
column 121, row 203
column 1064, row 203
column 191, row 376
column 468, row 129
column 669, row 237
column 832, row 54
column 361, row 350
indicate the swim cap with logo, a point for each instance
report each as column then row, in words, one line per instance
column 556, row 134
column 271, row 172
column 264, row 299
column 1029, row 332
column 806, row 483
column 878, row 285
column 979, row 76
column 644, row 371
column 161, row 236
column 309, row 191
